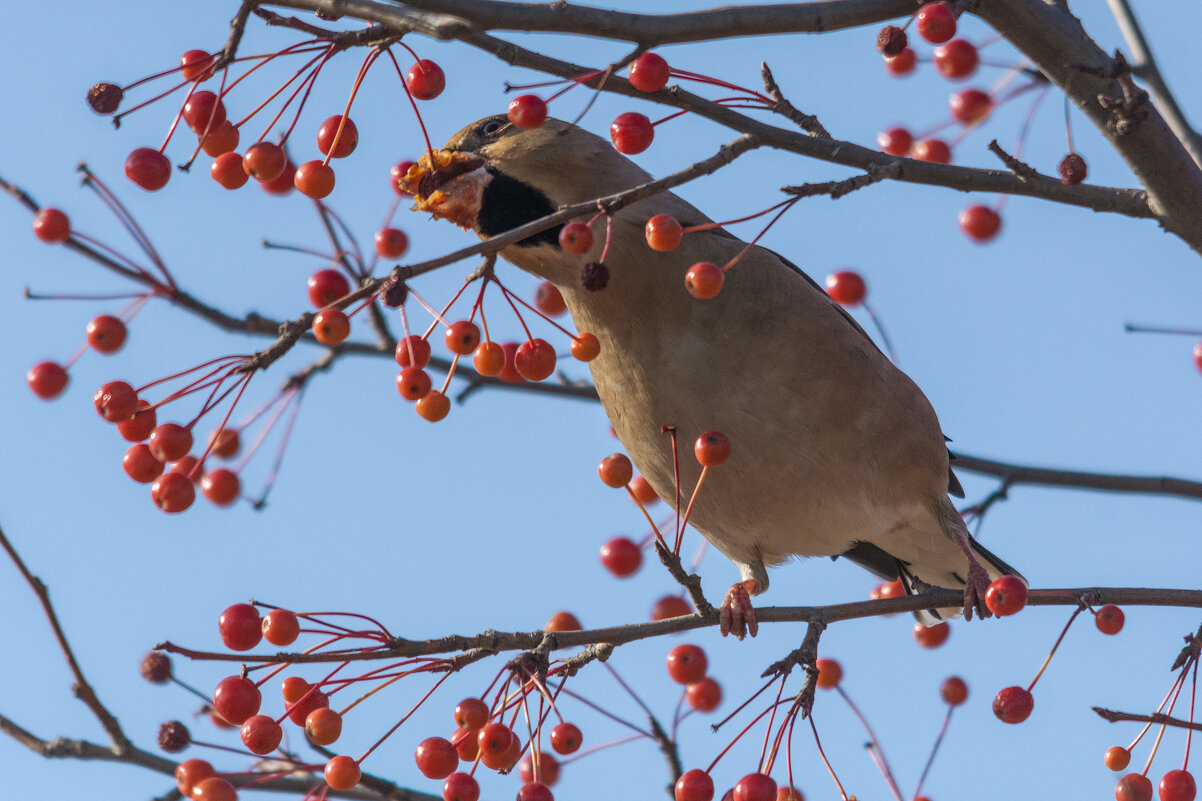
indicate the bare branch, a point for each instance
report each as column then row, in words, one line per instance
column 1158, row 718
column 1110, row 482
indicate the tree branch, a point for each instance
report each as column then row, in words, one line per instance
column 1109, row 482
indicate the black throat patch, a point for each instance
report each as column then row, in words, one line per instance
column 509, row 203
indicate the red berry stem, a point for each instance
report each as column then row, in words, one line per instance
column 670, row 430
column 288, row 399
column 413, row 103
column 1193, row 695
column 699, row 78
column 601, row 710
column 926, row 769
column 534, row 309
column 317, row 46
column 768, row 757
column 240, row 385
column 825, row 761
column 333, row 223
column 878, row 753
column 1052, row 653
column 346, row 114
column 784, row 207
column 128, row 223
column 118, row 117
column 689, row 511
column 306, row 85
column 880, row 329
column 588, row 76
column 738, row 710
column 659, row 537
column 745, row 730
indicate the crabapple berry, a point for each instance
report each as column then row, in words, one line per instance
column 509, row 373
column 489, row 359
column 197, row 65
column 793, row 794
column 342, row 773
column 1006, row 596
column 585, row 347
column 670, row 606
column 1072, row 170
column 264, row 161
column 331, row 326
column 903, row 63
column 204, row 110
column 712, row 449
column 615, row 470
column 704, row 695
column 227, row 170
column 631, row 133
column 240, row 626
column 535, row 359
column 649, row 73
column 970, row 106
column 1013, row 705
column 460, row 787
column 1109, row 619
column 148, row 168
column 314, row 179
column 169, row 442
column 436, row 758
column 535, row 791
column 106, row 333
column 574, row 238
column 895, row 141
column 755, row 787
column 434, row 406
column 391, row 243
column 156, row 667
column 214, row 788
column 399, row 171
column 846, row 288
column 306, row 703
column 957, row 59
column 173, row 492
column 280, row 627
column 413, row 383
column 663, row 233
column 547, row 773
column 425, row 80
column 138, row 427
column 224, row 443
column 936, row 22
column 932, row 636
column 687, row 664
column 190, row 772
column 621, row 556
column 980, row 223
column 830, row 673
column 140, row 464
column 117, row 401
column 563, row 621
column 348, row 140
column 932, row 150
column 323, row 726
column 412, row 351
column 1178, row 785
column 527, row 111
column 261, row 734
column 891, row 40
column 890, row 589
column 462, row 337
column 236, row 699
column 51, row 226
column 221, row 486
column 954, row 690
column 471, row 714
column 643, row 491
column 704, row 280
column 221, row 139
column 1133, row 787
column 1117, row 757
column 47, row 379
column 284, row 184
column 695, row 785
column 566, row 738
column 104, row 98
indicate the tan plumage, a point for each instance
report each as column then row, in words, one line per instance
column 832, row 445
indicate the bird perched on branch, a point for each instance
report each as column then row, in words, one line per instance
column 834, row 450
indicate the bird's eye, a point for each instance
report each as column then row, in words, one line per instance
column 491, row 127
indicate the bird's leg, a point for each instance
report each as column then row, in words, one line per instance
column 737, row 615
column 976, row 583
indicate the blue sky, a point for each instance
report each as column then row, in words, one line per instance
column 493, row 518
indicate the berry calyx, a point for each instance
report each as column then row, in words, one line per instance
column 621, row 556
column 391, row 243
column 954, row 690
column 51, row 226
column 932, row 636
column 846, row 288
column 649, row 73
column 663, row 233
column 342, row 773
column 687, row 664
column 314, row 179
column 535, row 359
column 1013, row 705
column 895, row 141
column 221, row 486
column 566, row 738
column 615, row 470
column 704, row 695
column 1109, row 619
column 264, row 161
column 712, row 449
column 936, row 22
column 932, row 150
column 331, row 326
column 1072, row 169
column 527, row 111
column 1006, row 596
column 575, row 238
column 425, row 80
column 47, row 379
column 148, row 168
column 704, row 280
column 694, row 785
column 631, row 133
column 1133, row 787
column 347, row 141
column 980, row 223
column 240, row 627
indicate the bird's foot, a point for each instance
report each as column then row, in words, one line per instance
column 974, row 591
column 737, row 615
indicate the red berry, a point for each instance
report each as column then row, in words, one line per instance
column 615, row 470
column 191, row 771
column 391, row 243
column 495, row 740
column 933, row 150
column 649, row 73
column 535, row 791
column 341, row 773
column 663, row 233
column 186, row 466
column 347, row 140
column 140, row 464
column 670, row 606
column 106, row 333
column 214, row 788
column 1109, row 619
column 331, row 326
column 221, row 139
column 221, row 486
column 954, row 690
column 563, row 621
column 197, row 65
column 547, row 297
column 575, row 238
column 890, row 589
column 936, row 22
column 695, row 785
column 895, row 141
column 1013, row 705
column 830, row 673
column 462, row 337
column 148, row 168
column 712, row 449
column 1117, row 757
column 1006, row 596
column 704, row 695
column 227, row 170
column 471, row 714
column 412, row 351
column 323, row 726
column 527, row 111
column 413, row 383
column 901, row 64
column 284, row 184
column 436, row 758
column 224, row 443
column 460, row 787
column 489, row 359
column 547, row 772
column 204, row 110
column 261, row 734
column 236, row 699
column 117, row 401
column 1133, row 787
column 308, row 702
column 643, row 491
column 566, row 738
column 170, row 441
column 585, row 347
column 980, row 223
column 535, row 359
column 51, row 226
column 793, row 794
column 932, row 636
column 240, row 627
column 399, row 171
column 846, row 288
column 434, row 406
column 265, row 161
column 509, row 374
column 687, row 664
column 314, row 179
column 621, row 556
column 1178, row 785
column 425, row 80
column 957, row 59
column 47, row 379
column 280, row 627
column 755, row 787
column 970, row 106
column 704, row 280
column 631, row 133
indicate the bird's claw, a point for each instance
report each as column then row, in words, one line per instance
column 737, row 615
column 974, row 591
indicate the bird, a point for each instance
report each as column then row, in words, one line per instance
column 834, row 450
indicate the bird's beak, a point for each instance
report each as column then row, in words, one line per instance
column 448, row 184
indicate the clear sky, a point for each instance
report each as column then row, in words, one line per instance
column 493, row 518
